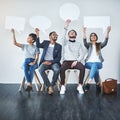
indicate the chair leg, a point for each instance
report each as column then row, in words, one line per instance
column 42, row 87
column 58, row 84
column 22, row 85
column 86, row 78
column 100, row 80
column 77, row 76
column 67, row 76
column 37, row 82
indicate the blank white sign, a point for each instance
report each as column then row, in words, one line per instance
column 17, row 23
column 97, row 22
column 69, row 11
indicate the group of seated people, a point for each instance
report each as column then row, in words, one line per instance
column 71, row 53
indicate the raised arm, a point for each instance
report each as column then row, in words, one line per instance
column 14, row 39
column 85, row 38
column 38, row 44
column 103, row 44
column 84, row 33
column 108, row 31
column 67, row 23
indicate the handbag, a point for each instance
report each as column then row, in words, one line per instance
column 109, row 86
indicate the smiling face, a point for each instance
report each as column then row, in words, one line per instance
column 93, row 37
column 53, row 36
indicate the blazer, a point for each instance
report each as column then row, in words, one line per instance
column 56, row 52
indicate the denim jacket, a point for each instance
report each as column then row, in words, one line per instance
column 88, row 45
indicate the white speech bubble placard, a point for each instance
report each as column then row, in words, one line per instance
column 97, row 22
column 17, row 23
column 69, row 11
column 41, row 22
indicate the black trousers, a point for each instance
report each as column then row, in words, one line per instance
column 67, row 65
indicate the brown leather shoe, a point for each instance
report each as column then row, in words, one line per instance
column 50, row 90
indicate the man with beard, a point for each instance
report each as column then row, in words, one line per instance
column 72, row 56
column 50, row 58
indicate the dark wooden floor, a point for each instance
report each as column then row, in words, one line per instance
column 71, row 106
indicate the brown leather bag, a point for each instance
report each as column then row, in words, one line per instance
column 109, row 86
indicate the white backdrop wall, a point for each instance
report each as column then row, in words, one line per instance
column 12, row 57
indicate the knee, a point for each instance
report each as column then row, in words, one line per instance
column 40, row 70
column 57, row 70
column 63, row 68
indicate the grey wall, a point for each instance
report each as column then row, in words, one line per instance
column 12, row 57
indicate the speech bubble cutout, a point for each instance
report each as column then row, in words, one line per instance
column 17, row 23
column 97, row 22
column 40, row 22
column 69, row 11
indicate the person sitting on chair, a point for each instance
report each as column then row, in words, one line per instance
column 72, row 56
column 31, row 57
column 50, row 59
column 94, row 58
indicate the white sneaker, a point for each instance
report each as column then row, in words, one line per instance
column 80, row 89
column 62, row 91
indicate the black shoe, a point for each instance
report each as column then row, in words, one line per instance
column 87, row 87
column 98, row 88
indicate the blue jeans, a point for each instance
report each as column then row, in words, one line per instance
column 56, row 70
column 28, row 69
column 94, row 70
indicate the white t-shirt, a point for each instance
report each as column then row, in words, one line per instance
column 49, row 53
column 94, row 56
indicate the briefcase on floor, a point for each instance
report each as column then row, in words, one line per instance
column 109, row 86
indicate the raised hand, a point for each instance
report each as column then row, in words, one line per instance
column 37, row 31
column 84, row 29
column 12, row 30
column 108, row 29
column 67, row 22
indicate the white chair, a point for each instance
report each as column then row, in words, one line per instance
column 38, row 84
column 76, row 72
column 68, row 73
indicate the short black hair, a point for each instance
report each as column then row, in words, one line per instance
column 73, row 31
column 51, row 33
column 34, row 36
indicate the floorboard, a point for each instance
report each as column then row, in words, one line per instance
column 71, row 106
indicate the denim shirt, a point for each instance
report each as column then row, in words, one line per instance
column 88, row 45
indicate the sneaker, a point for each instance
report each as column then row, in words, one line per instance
column 62, row 91
column 80, row 89
column 50, row 90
